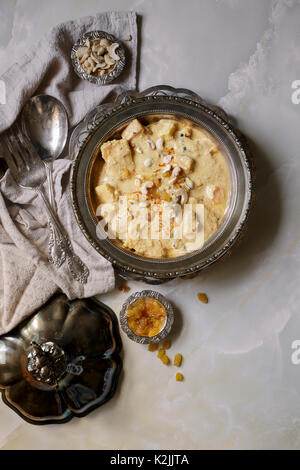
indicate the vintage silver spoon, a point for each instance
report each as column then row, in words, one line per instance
column 44, row 120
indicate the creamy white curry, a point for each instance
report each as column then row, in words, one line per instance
column 158, row 167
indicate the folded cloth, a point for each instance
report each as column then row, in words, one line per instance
column 27, row 279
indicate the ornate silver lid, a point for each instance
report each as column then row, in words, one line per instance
column 46, row 362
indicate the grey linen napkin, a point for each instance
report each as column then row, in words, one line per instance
column 27, row 279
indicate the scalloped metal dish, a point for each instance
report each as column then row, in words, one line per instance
column 167, row 326
column 161, row 100
column 109, row 77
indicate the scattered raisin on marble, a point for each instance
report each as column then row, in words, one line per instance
column 165, row 360
column 202, row 297
column 177, row 360
column 124, row 288
column 160, row 353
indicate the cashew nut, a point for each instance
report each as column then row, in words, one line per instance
column 159, row 144
column 81, row 51
column 105, row 42
column 151, row 143
column 109, row 60
column 176, row 171
column 189, row 183
column 84, row 57
column 88, row 65
column 182, row 195
column 147, row 185
column 98, row 59
column 112, row 51
column 98, row 49
column 148, row 162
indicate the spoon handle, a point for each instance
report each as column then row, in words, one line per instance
column 60, row 246
column 56, row 252
column 48, row 166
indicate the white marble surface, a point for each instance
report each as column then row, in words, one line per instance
column 241, row 389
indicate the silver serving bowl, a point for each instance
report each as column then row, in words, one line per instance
column 107, row 78
column 104, row 121
column 164, row 332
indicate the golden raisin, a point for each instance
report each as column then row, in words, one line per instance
column 152, row 347
column 179, row 377
column 160, row 353
column 177, row 360
column 202, row 297
column 165, row 359
column 166, row 344
column 124, row 288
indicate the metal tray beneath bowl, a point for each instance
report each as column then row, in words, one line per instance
column 104, row 120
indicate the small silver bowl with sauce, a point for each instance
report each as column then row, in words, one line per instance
column 166, row 328
column 108, row 77
column 161, row 101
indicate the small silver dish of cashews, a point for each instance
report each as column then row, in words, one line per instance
column 98, row 57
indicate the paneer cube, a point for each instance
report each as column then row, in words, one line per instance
column 167, row 127
column 105, row 193
column 184, row 162
column 164, row 127
column 133, row 128
column 118, row 158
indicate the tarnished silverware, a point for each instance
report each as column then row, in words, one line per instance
column 29, row 172
column 44, row 121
